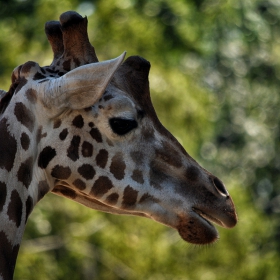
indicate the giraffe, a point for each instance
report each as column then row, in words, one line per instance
column 87, row 130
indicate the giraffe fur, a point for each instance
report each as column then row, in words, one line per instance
column 87, row 130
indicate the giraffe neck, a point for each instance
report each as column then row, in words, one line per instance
column 19, row 187
column 14, row 206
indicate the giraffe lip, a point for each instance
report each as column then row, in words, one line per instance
column 196, row 228
column 208, row 218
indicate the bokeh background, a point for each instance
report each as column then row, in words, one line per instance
column 215, row 82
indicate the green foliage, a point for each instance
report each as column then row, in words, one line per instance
column 214, row 82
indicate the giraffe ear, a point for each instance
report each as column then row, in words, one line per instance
column 82, row 87
column 133, row 75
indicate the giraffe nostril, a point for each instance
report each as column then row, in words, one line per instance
column 220, row 186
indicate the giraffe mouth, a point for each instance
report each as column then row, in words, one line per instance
column 196, row 227
column 208, row 218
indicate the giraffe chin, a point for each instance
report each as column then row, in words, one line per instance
column 197, row 229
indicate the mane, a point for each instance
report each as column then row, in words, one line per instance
column 5, row 97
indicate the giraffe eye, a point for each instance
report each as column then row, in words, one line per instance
column 122, row 126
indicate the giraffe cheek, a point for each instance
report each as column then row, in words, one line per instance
column 117, row 167
column 112, row 199
column 129, row 198
column 101, row 186
column 79, row 184
column 61, row 172
column 137, row 176
column 87, row 149
column 86, row 171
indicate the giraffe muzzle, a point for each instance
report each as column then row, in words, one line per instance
column 196, row 226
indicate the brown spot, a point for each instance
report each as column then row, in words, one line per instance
column 102, row 158
column 144, row 197
column 137, row 176
column 87, row 149
column 79, row 184
column 157, row 174
column 3, row 191
column 24, row 141
column 31, row 95
column 63, row 134
column 8, row 146
column 69, row 193
column 40, row 135
column 61, row 172
column 43, row 189
column 73, row 150
column 8, row 256
column 87, row 171
column 25, row 171
column 112, row 199
column 65, row 191
column 78, row 121
column 29, row 207
column 117, row 166
column 147, row 197
column 95, row 134
column 169, row 155
column 24, row 116
column 129, row 197
column 192, row 173
column 91, row 124
column 15, row 208
column 46, row 155
column 101, row 186
column 57, row 123
column 137, row 157
column 26, row 67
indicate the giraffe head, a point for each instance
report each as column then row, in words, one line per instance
column 95, row 138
